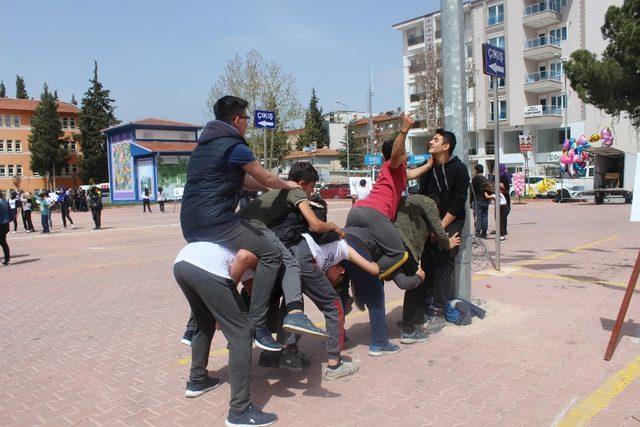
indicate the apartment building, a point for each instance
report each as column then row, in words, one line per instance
column 15, row 157
column 535, row 98
column 336, row 123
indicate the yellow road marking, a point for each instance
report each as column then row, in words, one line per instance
column 571, row 250
column 560, row 277
column 585, row 410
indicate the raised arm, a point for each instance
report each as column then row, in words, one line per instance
column 266, row 178
column 397, row 152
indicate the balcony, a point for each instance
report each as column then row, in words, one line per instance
column 417, row 68
column 542, row 48
column 543, row 82
column 542, row 14
column 416, row 97
column 414, row 40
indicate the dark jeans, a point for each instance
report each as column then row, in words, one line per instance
column 27, row 220
column 97, row 216
column 317, row 287
column 242, row 235
column 482, row 217
column 145, row 205
column 371, row 290
column 385, row 234
column 161, row 204
column 504, row 213
column 64, row 210
column 45, row 222
column 438, row 266
column 215, row 299
column 4, row 229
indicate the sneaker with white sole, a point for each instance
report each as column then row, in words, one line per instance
column 413, row 337
column 187, row 337
column 252, row 416
column 382, row 350
column 197, row 389
column 264, row 340
column 343, row 370
column 299, row 323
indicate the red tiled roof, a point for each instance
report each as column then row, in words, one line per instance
column 31, row 104
column 320, row 152
column 377, row 119
column 151, row 121
column 295, row 132
column 165, row 147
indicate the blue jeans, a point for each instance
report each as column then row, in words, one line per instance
column 371, row 290
column 45, row 223
column 482, row 217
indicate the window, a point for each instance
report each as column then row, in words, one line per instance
column 147, row 134
column 72, row 123
column 1, row 120
column 66, row 170
column 497, row 41
column 558, row 34
column 1, row 145
column 73, row 146
column 556, row 70
column 18, row 146
column 9, row 146
column 19, row 170
column 495, row 14
column 65, row 123
column 10, row 170
column 502, row 110
column 559, row 101
column 3, row 170
column 501, row 83
column 74, row 169
column 7, row 120
column 16, row 121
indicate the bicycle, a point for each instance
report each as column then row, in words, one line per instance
column 479, row 254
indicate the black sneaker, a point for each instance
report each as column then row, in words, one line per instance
column 299, row 323
column 252, row 416
column 434, row 324
column 290, row 361
column 187, row 337
column 6, row 263
column 264, row 340
column 196, row 389
column 413, row 337
column 269, row 359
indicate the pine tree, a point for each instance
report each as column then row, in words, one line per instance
column 3, row 90
column 314, row 130
column 356, row 150
column 97, row 113
column 55, row 94
column 73, row 99
column 21, row 90
column 48, row 152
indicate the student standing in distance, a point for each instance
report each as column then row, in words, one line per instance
column 5, row 218
column 207, row 273
column 447, row 183
column 480, row 202
column 44, row 203
column 145, row 200
column 13, row 210
column 95, row 204
column 216, row 175
column 161, row 199
column 27, row 207
column 64, row 202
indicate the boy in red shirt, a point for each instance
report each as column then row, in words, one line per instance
column 378, row 211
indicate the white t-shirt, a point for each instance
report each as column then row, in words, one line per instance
column 12, row 203
column 329, row 254
column 210, row 257
column 362, row 192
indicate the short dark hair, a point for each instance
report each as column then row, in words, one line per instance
column 387, row 148
column 363, row 183
column 303, row 171
column 229, row 107
column 449, row 138
column 479, row 168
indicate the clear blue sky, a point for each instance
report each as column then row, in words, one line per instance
column 160, row 58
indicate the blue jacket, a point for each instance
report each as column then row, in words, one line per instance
column 5, row 214
column 212, row 191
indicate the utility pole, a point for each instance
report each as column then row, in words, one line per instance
column 370, row 145
column 455, row 117
column 346, row 128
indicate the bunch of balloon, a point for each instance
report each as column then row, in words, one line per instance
column 605, row 135
column 518, row 185
column 574, row 157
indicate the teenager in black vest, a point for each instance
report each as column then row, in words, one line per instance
column 219, row 168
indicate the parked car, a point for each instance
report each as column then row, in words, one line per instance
column 539, row 186
column 335, row 191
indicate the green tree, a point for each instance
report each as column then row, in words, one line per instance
column 48, row 152
column 21, row 89
column 611, row 83
column 97, row 113
column 315, row 131
column 3, row 90
column 357, row 150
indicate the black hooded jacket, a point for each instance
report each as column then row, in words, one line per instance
column 448, row 186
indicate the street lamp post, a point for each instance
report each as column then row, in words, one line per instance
column 346, row 128
column 566, row 124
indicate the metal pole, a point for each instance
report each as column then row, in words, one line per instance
column 348, row 163
column 264, row 142
column 566, row 126
column 496, row 167
column 455, row 117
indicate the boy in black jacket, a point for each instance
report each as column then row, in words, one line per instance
column 447, row 183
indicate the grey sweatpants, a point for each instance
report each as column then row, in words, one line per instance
column 385, row 234
column 215, row 299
